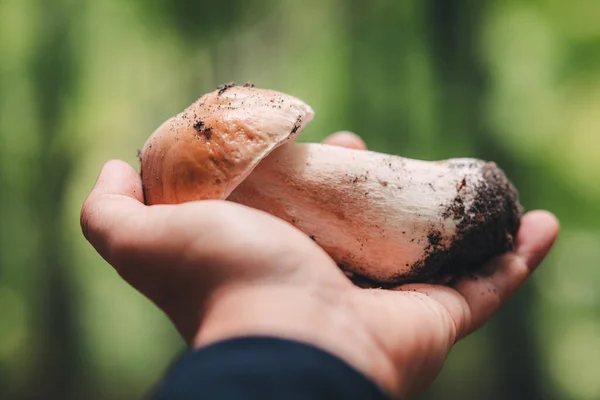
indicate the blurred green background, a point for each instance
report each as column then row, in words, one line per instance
column 84, row 81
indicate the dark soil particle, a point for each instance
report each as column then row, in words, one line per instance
column 223, row 88
column 463, row 164
column 200, row 128
column 434, row 238
column 456, row 209
column 198, row 125
column 297, row 126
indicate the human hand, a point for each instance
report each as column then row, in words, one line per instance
column 220, row 270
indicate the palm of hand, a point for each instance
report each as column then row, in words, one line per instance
column 202, row 263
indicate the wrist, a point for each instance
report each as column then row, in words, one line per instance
column 323, row 319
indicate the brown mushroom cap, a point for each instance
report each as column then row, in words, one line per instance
column 208, row 149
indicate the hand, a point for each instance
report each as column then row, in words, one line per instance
column 220, row 270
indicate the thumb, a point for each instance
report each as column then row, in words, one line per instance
column 116, row 200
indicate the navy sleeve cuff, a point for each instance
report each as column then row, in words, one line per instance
column 264, row 368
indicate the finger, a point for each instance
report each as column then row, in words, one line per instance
column 545, row 226
column 119, row 178
column 346, row 139
column 116, row 200
column 484, row 295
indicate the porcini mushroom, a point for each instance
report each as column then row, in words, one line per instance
column 387, row 218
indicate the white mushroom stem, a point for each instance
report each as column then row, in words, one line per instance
column 385, row 217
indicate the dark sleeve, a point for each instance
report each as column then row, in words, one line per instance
column 264, row 368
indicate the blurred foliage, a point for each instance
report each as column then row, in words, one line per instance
column 83, row 81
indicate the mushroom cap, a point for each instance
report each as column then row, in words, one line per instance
column 208, row 149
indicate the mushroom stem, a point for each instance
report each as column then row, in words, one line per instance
column 387, row 218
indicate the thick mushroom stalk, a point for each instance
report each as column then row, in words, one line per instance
column 386, row 218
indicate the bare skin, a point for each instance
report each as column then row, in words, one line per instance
column 220, row 270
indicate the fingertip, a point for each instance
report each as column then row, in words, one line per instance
column 547, row 217
column 487, row 293
column 539, row 230
column 119, row 178
column 117, row 165
column 117, row 195
column 346, row 139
